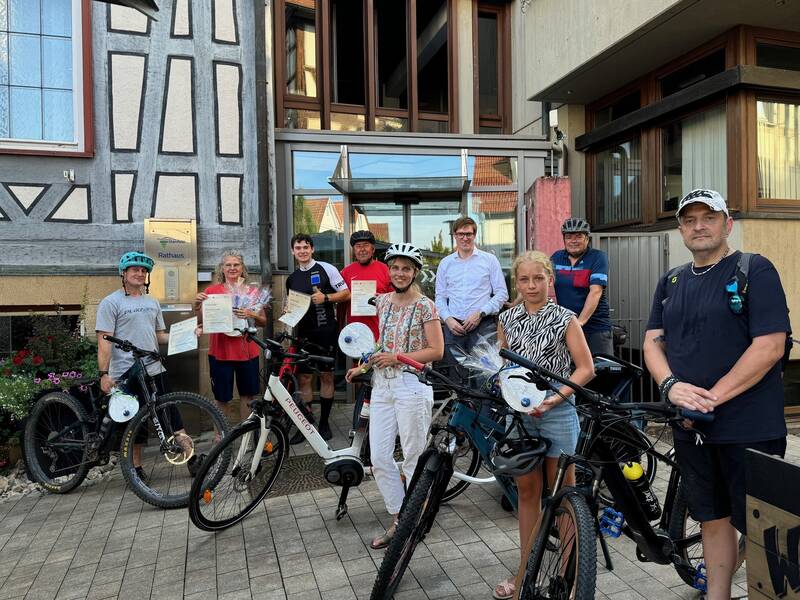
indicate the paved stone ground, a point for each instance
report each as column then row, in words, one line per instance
column 102, row 542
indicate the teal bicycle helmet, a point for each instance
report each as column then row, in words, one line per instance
column 135, row 259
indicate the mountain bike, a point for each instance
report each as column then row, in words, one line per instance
column 478, row 429
column 562, row 560
column 160, row 446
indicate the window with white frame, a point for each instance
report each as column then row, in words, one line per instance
column 41, row 75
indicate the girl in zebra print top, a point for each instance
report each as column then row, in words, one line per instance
column 549, row 335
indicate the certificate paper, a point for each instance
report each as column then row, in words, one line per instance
column 218, row 314
column 296, row 307
column 182, row 337
column 361, row 290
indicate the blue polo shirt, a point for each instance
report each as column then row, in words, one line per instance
column 572, row 285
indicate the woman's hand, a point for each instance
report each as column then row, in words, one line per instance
column 383, row 359
column 548, row 403
column 199, row 299
column 244, row 313
column 354, row 372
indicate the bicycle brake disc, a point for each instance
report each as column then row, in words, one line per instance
column 178, row 458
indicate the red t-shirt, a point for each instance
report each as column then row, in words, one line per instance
column 225, row 347
column 376, row 271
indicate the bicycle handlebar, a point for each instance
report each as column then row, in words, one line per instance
column 275, row 346
column 410, row 362
column 542, row 375
column 127, row 346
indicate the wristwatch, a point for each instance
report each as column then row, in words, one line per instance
column 101, row 373
column 326, row 298
column 483, row 315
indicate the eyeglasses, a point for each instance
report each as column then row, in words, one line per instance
column 735, row 302
column 464, row 235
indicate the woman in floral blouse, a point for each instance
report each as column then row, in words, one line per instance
column 407, row 324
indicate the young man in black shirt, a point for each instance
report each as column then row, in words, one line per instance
column 323, row 282
column 710, row 351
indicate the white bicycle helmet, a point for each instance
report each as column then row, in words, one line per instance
column 406, row 250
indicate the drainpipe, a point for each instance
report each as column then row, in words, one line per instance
column 265, row 124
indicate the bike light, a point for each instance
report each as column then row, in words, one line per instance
column 207, row 496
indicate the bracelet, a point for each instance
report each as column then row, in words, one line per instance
column 665, row 386
column 102, row 373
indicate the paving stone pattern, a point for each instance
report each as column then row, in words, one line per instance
column 102, row 542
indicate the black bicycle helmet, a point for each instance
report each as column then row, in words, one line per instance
column 363, row 235
column 519, row 456
column 573, row 225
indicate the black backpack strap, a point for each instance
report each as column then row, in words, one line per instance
column 671, row 279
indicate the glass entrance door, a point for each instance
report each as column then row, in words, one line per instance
column 424, row 223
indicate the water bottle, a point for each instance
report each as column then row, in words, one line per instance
column 363, row 417
column 634, row 473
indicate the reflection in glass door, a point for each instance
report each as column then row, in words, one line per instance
column 424, row 223
column 429, row 227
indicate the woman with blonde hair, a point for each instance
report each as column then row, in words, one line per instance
column 229, row 355
column 550, row 336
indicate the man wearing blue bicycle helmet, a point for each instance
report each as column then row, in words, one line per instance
column 131, row 314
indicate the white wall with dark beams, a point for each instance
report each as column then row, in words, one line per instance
column 174, row 126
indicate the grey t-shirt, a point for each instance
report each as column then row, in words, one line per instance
column 132, row 318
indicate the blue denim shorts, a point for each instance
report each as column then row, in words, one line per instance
column 559, row 425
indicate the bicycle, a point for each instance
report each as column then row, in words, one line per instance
column 65, row 436
column 569, row 521
column 483, row 430
column 240, row 471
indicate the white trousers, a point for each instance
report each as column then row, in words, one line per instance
column 399, row 405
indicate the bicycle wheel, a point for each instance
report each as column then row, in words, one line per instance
column 563, row 561
column 682, row 526
column 628, row 444
column 224, row 492
column 190, row 424
column 55, row 442
column 412, row 524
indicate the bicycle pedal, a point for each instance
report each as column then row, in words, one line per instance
column 611, row 522
column 700, row 579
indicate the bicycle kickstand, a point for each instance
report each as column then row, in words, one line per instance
column 604, row 545
column 341, row 510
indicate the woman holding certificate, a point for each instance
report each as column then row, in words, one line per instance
column 229, row 355
column 407, row 324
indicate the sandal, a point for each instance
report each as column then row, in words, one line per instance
column 504, row 590
column 382, row 541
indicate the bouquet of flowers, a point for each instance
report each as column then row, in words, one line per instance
column 249, row 296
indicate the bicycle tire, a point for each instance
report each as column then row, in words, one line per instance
column 629, row 444
column 61, row 414
column 412, row 525
column 681, row 526
column 219, row 474
column 579, row 579
column 168, row 483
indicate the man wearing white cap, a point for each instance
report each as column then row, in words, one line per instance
column 714, row 343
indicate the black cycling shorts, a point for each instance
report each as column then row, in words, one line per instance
column 713, row 477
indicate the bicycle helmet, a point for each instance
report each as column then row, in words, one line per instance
column 575, row 226
column 406, row 250
column 519, row 456
column 135, row 259
column 363, row 235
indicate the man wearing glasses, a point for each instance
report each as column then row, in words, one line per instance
column 581, row 280
column 470, row 290
column 714, row 349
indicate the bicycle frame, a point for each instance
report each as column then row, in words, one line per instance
column 476, row 426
